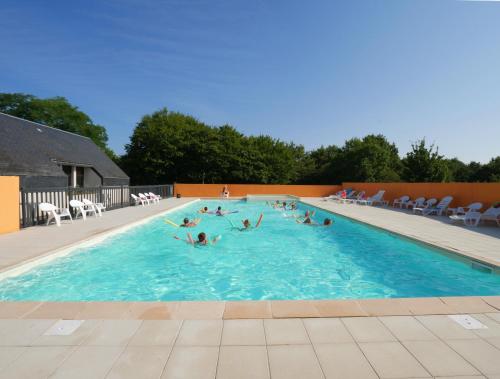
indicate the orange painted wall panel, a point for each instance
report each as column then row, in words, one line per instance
column 9, row 204
column 463, row 193
column 214, row 190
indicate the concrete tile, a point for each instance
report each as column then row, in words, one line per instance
column 327, row 330
column 427, row 306
column 199, row 310
column 344, row 361
column 294, row 361
column 247, row 309
column 407, row 328
column 243, row 332
column 103, row 310
column 76, row 338
column 384, row 307
column 151, row 310
column 295, row 308
column 145, row 362
column 200, row 333
column 37, row 362
column 494, row 341
column 285, row 332
column 339, row 308
column 467, row 304
column 445, row 328
column 16, row 309
column 56, row 310
column 113, row 333
column 367, row 329
column 156, row 333
column 88, row 362
column 493, row 301
column 22, row 332
column 243, row 362
column 494, row 316
column 493, row 330
column 464, row 377
column 193, row 362
column 9, row 353
column 439, row 359
column 392, row 360
column 479, row 353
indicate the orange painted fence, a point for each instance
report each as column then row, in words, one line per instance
column 463, row 193
column 9, row 204
column 236, row 190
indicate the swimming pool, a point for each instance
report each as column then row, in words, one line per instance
column 280, row 260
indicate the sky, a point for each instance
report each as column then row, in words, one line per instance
column 313, row 72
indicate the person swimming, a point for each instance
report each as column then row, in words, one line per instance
column 202, row 239
column 219, row 211
column 203, row 210
column 309, row 221
column 189, row 224
column 247, row 225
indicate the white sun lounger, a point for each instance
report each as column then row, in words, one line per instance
column 152, row 196
column 401, row 201
column 470, row 218
column 427, row 204
column 439, row 208
column 81, row 209
column 419, row 202
column 491, row 214
column 55, row 213
column 378, row 198
column 97, row 207
column 474, row 207
column 144, row 197
column 354, row 199
column 137, row 199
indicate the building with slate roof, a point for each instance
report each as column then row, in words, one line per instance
column 45, row 157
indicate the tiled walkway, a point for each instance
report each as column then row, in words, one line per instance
column 363, row 347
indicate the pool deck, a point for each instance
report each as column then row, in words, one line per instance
column 378, row 338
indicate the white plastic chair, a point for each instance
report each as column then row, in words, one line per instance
column 491, row 214
column 439, row 208
column 152, row 196
column 474, row 207
column 378, row 198
column 470, row 218
column 427, row 204
column 95, row 207
column 144, row 197
column 137, row 199
column 80, row 209
column 419, row 202
column 55, row 213
column 354, row 199
column 400, row 201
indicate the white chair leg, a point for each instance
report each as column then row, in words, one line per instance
column 58, row 219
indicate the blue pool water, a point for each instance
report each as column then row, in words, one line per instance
column 280, row 260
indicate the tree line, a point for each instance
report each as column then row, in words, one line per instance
column 168, row 147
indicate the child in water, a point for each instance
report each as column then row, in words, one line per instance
column 202, row 239
column 189, row 224
column 308, row 221
column 247, row 225
column 203, row 210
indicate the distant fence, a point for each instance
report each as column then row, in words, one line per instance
column 112, row 197
column 463, row 193
column 235, row 190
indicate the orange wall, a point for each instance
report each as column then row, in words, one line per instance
column 9, row 204
column 463, row 193
column 214, row 190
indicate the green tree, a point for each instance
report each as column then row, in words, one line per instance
column 424, row 164
column 458, row 170
column 56, row 112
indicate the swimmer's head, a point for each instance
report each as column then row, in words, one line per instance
column 327, row 222
column 284, row 203
column 205, row 209
column 246, row 223
column 186, row 221
column 202, row 237
column 219, row 208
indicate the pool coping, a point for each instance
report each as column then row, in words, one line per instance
column 259, row 309
column 254, row 309
column 453, row 252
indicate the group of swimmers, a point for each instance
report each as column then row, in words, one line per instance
column 306, row 219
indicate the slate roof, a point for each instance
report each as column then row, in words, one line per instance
column 29, row 148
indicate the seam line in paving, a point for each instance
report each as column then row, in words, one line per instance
column 313, row 347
